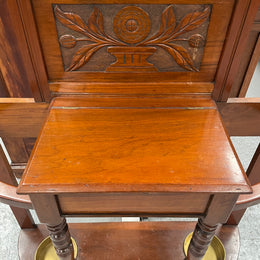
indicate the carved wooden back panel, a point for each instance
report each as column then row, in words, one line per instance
column 131, row 42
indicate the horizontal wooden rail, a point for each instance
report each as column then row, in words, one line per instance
column 241, row 117
column 245, row 201
column 22, row 119
column 8, row 196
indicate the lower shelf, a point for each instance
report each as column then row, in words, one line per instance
column 128, row 241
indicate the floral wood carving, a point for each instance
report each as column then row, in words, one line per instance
column 133, row 46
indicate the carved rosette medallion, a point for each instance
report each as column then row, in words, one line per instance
column 132, row 24
column 177, row 38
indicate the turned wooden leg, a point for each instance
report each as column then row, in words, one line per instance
column 61, row 240
column 200, row 241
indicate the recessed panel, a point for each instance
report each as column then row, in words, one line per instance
column 132, row 38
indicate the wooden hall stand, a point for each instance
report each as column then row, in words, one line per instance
column 133, row 156
column 133, row 131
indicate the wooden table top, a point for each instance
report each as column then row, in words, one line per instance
column 133, row 145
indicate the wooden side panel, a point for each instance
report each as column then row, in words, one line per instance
column 13, row 52
column 241, row 119
column 235, row 46
column 130, row 204
column 3, row 89
column 22, row 120
column 19, row 73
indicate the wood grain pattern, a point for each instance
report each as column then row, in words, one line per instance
column 159, row 135
column 70, row 88
column 241, row 119
column 22, row 120
column 14, row 63
column 149, row 204
column 41, row 91
column 132, row 26
column 221, row 13
column 251, row 69
column 239, row 30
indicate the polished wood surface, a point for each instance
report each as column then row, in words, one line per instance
column 22, row 119
column 9, row 196
column 218, row 24
column 121, row 241
column 241, row 118
column 67, row 88
column 235, row 45
column 85, row 148
column 132, row 156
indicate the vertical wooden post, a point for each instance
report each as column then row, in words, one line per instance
column 22, row 216
column 48, row 212
column 253, row 173
column 206, row 227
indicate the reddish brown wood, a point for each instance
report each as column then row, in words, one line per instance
column 244, row 63
column 159, row 135
column 41, row 91
column 22, row 119
column 48, row 212
column 219, row 19
column 68, row 88
column 254, row 167
column 133, row 40
column 124, row 148
column 117, row 241
column 251, row 69
column 22, row 216
column 125, row 203
column 200, row 241
column 239, row 29
column 9, row 196
column 15, row 63
column 246, row 201
column 61, row 240
column 241, row 119
column 3, row 88
column 16, row 149
column 254, row 177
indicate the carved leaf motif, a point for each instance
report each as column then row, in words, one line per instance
column 95, row 22
column 192, row 21
column 82, row 56
column 180, row 55
column 70, row 20
column 168, row 21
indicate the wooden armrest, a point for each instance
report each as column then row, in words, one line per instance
column 245, row 201
column 8, row 196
